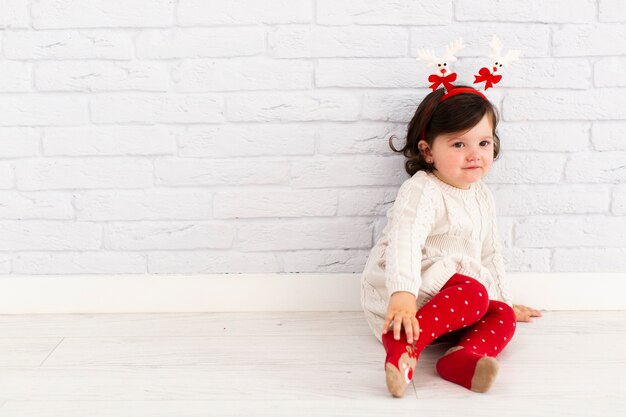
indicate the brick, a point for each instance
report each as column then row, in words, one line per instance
column 101, row 76
column 528, row 200
column 7, row 178
column 18, row 142
column 380, row 12
column 344, row 41
column 150, row 204
column 240, row 74
column 589, row 40
column 611, row 11
column 618, row 206
column 518, row 167
column 195, row 171
column 370, row 138
column 70, row 173
column 49, row 235
column 594, row 260
column 67, row 44
column 608, row 136
column 596, row 167
column 550, row 136
column 167, row 235
column 506, row 228
column 571, row 231
column 296, row 234
column 200, row 42
column 325, row 261
column 156, row 108
column 372, row 73
column 70, row 263
column 57, row 14
column 14, row 14
column 257, row 139
column 42, row 110
column 225, row 12
column 108, row 140
column 366, row 201
column 527, row 260
column 599, row 104
column 391, row 106
column 347, row 171
column 36, row 205
column 577, row 11
column 299, row 106
column 284, row 203
column 15, row 77
column 609, row 72
column 211, row 262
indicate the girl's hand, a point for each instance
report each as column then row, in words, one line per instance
column 523, row 313
column 401, row 311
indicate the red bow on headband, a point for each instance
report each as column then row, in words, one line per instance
column 447, row 81
column 486, row 75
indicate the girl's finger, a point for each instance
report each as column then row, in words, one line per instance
column 408, row 329
column 397, row 325
column 386, row 325
column 416, row 328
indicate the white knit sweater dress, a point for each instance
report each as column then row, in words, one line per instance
column 433, row 231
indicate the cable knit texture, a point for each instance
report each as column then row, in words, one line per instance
column 433, row 231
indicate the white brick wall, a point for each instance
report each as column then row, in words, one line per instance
column 213, row 136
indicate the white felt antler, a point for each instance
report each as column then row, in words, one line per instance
column 427, row 55
column 454, row 47
column 431, row 59
column 496, row 52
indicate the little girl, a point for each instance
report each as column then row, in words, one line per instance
column 437, row 273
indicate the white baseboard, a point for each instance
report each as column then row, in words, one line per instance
column 21, row 294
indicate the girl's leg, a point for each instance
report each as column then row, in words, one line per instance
column 472, row 362
column 461, row 302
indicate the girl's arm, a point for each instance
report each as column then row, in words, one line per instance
column 410, row 221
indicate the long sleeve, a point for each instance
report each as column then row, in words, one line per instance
column 491, row 256
column 409, row 221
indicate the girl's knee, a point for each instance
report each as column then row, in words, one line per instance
column 478, row 291
column 503, row 310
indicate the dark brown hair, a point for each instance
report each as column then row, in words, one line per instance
column 456, row 114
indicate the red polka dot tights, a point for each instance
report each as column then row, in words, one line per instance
column 463, row 313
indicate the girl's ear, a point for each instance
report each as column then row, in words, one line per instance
column 425, row 150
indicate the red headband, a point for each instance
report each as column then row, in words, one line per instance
column 455, row 92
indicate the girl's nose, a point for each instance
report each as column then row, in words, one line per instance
column 473, row 155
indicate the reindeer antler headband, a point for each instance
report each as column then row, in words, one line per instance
column 484, row 74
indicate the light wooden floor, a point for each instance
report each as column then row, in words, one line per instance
column 292, row 364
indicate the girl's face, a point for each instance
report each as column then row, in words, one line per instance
column 462, row 158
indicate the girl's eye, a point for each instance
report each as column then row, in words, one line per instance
column 486, row 142
column 457, row 143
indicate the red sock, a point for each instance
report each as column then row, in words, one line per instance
column 472, row 363
column 460, row 303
